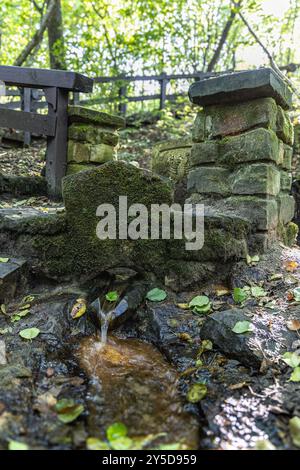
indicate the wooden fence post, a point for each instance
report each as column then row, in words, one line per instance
column 163, row 91
column 26, row 106
column 122, row 95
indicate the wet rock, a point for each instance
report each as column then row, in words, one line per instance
column 175, row 332
column 12, row 278
column 249, row 348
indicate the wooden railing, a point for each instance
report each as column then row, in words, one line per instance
column 32, row 100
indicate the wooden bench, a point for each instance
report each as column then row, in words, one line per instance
column 56, row 85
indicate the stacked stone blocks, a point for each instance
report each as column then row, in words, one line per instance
column 92, row 138
column 242, row 151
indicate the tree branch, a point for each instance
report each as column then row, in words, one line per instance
column 38, row 35
column 223, row 37
column 270, row 57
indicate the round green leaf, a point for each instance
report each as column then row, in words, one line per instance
column 93, row 443
column 240, row 295
column 196, row 393
column 116, row 431
column 199, row 301
column 156, row 295
column 296, row 293
column 295, row 376
column 242, row 327
column 112, row 296
column 122, row 443
column 294, row 425
column 29, row 333
column 291, row 359
column 68, row 410
column 15, row 445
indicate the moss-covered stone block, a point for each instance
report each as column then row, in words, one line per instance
column 93, row 134
column 287, row 157
column 101, row 153
column 84, row 192
column 288, row 233
column 78, row 152
column 258, row 178
column 231, row 119
column 258, row 144
column 74, row 168
column 83, row 114
column 286, row 205
column 263, row 213
column 170, row 159
column 285, row 181
column 209, row 180
column 284, row 127
column 204, row 152
column 198, row 131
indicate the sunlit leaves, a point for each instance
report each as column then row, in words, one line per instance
column 156, row 295
column 29, row 333
column 68, row 410
column 242, row 327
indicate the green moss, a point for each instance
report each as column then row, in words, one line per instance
column 288, row 233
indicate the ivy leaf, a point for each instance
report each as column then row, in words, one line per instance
column 93, row 443
column 122, row 443
column 112, row 296
column 296, row 294
column 156, row 295
column 68, row 410
column 196, row 393
column 29, row 333
column 294, row 425
column 16, row 445
column 295, row 376
column 240, row 295
column 115, row 431
column 291, row 359
column 200, row 304
column 257, row 291
column 242, row 327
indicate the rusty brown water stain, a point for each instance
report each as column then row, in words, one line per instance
column 139, row 389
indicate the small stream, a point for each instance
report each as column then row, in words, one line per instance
column 139, row 388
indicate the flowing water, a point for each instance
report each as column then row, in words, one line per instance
column 132, row 383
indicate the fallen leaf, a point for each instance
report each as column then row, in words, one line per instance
column 79, row 309
column 296, row 294
column 264, row 444
column 156, row 295
column 295, row 376
column 290, row 296
column 242, row 327
column 293, row 325
column 29, row 333
column 223, row 291
column 276, row 277
column 68, row 410
column 291, row 266
column 183, row 306
column 4, row 260
column 93, row 443
column 200, row 304
column 196, row 393
column 291, row 359
column 237, row 386
column 16, row 445
column 257, row 291
column 240, row 295
column 294, row 425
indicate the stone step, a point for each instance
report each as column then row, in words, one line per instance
column 12, row 277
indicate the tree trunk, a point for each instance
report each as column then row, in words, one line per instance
column 57, row 53
column 37, row 37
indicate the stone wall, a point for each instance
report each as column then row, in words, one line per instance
column 92, row 138
column 170, row 160
column 242, row 151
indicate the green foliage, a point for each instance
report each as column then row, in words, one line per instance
column 200, row 304
column 68, row 410
column 112, row 296
column 156, row 295
column 242, row 327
